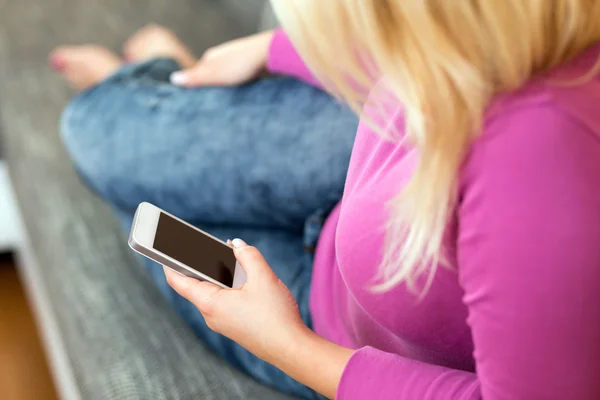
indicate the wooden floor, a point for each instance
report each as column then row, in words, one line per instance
column 23, row 371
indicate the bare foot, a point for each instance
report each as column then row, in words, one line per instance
column 84, row 66
column 157, row 41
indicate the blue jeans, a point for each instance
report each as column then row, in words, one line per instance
column 265, row 162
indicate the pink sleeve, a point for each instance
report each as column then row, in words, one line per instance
column 529, row 263
column 285, row 60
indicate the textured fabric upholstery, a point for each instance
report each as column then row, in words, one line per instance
column 122, row 340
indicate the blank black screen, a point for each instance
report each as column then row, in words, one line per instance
column 194, row 249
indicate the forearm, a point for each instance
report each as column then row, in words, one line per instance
column 314, row 361
column 368, row 372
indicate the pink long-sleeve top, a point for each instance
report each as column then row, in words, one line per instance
column 518, row 314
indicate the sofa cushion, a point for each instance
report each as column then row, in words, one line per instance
column 121, row 338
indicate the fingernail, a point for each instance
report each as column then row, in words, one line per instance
column 237, row 243
column 179, row 78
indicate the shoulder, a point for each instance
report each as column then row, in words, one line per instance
column 538, row 159
column 542, row 123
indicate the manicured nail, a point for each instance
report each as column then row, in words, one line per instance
column 237, row 243
column 179, row 78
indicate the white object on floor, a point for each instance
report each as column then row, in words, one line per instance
column 10, row 232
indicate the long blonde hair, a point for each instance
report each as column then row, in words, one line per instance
column 444, row 61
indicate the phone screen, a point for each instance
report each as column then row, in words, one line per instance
column 195, row 249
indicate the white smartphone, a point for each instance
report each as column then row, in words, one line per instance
column 184, row 248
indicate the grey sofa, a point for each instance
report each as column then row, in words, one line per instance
column 108, row 332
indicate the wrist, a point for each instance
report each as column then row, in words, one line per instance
column 313, row 360
column 296, row 342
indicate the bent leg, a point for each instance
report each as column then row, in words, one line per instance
column 267, row 154
column 253, row 162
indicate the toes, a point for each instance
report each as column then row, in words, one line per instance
column 84, row 66
column 65, row 57
column 57, row 63
column 58, row 58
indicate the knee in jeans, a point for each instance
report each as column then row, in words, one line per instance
column 84, row 133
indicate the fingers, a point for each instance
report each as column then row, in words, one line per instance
column 206, row 72
column 198, row 75
column 253, row 262
column 202, row 294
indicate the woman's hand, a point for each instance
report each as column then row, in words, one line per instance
column 262, row 315
column 228, row 64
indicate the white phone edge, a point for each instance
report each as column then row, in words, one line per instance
column 141, row 240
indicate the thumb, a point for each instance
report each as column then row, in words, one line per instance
column 201, row 294
column 253, row 262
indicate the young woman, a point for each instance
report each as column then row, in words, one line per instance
column 462, row 261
